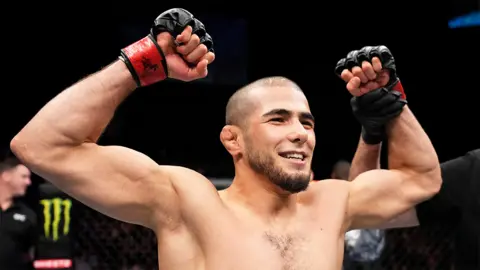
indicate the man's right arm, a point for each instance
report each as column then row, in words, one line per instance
column 59, row 144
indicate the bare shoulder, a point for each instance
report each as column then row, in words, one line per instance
column 196, row 194
column 180, row 175
column 329, row 185
column 328, row 189
column 328, row 199
column 188, row 182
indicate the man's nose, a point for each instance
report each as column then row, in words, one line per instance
column 298, row 134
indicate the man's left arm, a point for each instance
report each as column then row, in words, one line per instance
column 377, row 196
column 367, row 158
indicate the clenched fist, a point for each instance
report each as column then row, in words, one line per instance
column 177, row 47
column 367, row 69
column 187, row 52
column 370, row 74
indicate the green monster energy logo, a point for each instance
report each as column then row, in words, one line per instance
column 51, row 225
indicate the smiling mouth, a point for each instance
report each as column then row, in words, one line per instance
column 293, row 156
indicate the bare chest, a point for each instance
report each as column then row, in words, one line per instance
column 310, row 243
column 295, row 250
column 225, row 240
column 231, row 245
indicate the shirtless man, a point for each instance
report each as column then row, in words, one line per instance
column 267, row 219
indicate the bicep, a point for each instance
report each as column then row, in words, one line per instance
column 113, row 180
column 378, row 196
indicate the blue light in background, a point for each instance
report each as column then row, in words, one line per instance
column 468, row 20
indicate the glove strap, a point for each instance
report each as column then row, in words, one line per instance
column 397, row 86
column 145, row 61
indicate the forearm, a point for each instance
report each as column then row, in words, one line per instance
column 80, row 113
column 409, row 147
column 367, row 157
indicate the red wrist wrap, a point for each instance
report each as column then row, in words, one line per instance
column 146, row 61
column 398, row 87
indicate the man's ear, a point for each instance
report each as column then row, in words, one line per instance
column 230, row 137
column 5, row 176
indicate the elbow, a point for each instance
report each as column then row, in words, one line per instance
column 429, row 175
column 36, row 155
column 20, row 149
column 435, row 176
column 33, row 145
column 17, row 146
column 432, row 181
column 31, row 150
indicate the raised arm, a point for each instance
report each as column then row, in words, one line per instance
column 367, row 158
column 59, row 143
column 377, row 196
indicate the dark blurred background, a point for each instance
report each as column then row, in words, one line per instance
column 49, row 46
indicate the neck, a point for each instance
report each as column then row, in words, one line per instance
column 260, row 195
column 6, row 198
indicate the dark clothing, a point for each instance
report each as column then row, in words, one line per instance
column 459, row 197
column 349, row 264
column 18, row 230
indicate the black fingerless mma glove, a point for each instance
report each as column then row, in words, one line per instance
column 374, row 110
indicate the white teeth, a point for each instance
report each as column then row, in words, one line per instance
column 295, row 156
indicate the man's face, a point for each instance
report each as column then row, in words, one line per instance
column 280, row 139
column 18, row 179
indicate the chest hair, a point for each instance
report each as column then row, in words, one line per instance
column 285, row 245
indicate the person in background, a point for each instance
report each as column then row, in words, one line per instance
column 458, row 201
column 18, row 222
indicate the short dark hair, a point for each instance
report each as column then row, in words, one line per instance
column 240, row 105
column 8, row 164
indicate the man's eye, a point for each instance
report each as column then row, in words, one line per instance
column 276, row 120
